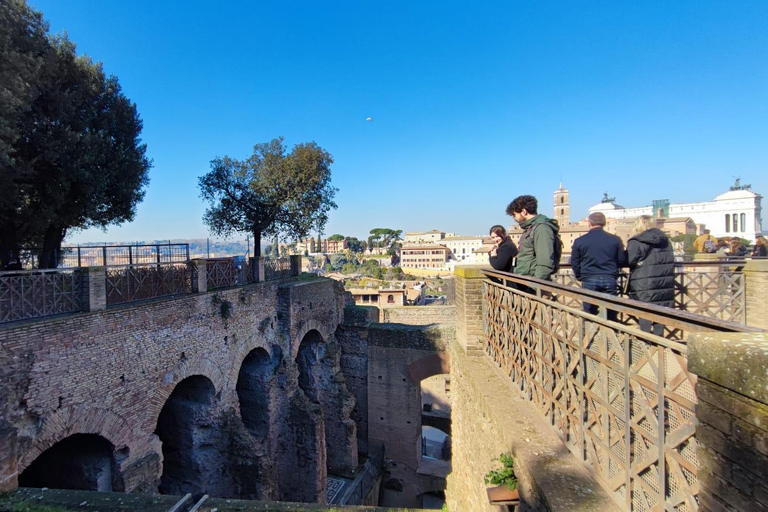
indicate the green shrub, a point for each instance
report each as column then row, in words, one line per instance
column 505, row 475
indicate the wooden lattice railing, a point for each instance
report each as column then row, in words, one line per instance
column 712, row 289
column 621, row 399
column 37, row 294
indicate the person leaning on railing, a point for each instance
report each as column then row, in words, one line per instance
column 504, row 250
column 761, row 247
column 651, row 269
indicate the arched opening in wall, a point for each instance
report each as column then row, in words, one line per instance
column 81, row 462
column 433, row 500
column 253, row 391
column 184, row 429
column 308, row 359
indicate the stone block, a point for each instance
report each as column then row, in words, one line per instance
column 714, row 416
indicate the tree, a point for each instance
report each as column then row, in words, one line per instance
column 70, row 152
column 335, row 238
column 384, row 237
column 272, row 193
column 355, row 245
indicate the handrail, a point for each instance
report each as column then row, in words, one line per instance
column 675, row 318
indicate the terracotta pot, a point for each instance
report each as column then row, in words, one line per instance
column 501, row 495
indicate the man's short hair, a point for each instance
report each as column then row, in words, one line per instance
column 597, row 218
column 527, row 203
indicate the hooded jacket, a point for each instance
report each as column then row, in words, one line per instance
column 651, row 268
column 536, row 256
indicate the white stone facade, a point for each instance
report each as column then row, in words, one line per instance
column 734, row 213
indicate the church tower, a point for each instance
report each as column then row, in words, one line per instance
column 562, row 210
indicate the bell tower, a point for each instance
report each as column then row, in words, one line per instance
column 562, row 210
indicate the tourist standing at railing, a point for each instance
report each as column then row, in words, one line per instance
column 736, row 249
column 701, row 245
column 596, row 259
column 651, row 269
column 761, row 248
column 504, row 250
column 540, row 246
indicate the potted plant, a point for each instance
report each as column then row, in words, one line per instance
column 504, row 481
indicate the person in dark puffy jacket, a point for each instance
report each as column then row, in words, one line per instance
column 651, row 269
column 504, row 250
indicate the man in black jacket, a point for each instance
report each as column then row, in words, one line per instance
column 596, row 259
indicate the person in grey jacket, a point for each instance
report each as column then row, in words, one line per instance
column 651, row 269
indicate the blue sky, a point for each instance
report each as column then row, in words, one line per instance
column 473, row 103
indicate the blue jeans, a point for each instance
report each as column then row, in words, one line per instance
column 605, row 284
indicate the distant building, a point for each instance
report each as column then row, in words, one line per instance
column 384, row 298
column 466, row 249
column 737, row 212
column 424, row 256
column 424, row 237
column 335, row 246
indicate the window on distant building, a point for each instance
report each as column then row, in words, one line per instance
column 743, row 219
column 727, row 222
column 735, row 219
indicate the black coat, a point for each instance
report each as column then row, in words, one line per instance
column 598, row 253
column 651, row 268
column 505, row 256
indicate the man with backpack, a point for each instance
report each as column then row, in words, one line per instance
column 540, row 247
column 705, row 243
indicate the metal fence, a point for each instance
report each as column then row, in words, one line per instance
column 221, row 273
column 714, row 289
column 107, row 255
column 621, row 399
column 140, row 282
column 365, row 480
column 37, row 294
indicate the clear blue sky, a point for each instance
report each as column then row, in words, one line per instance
column 473, row 103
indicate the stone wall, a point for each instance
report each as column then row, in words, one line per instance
column 732, row 413
column 419, row 315
column 489, row 417
column 111, row 372
column 756, row 277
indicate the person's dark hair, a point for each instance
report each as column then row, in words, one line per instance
column 527, row 203
column 498, row 230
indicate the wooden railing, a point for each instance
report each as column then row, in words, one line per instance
column 621, row 399
column 715, row 289
column 25, row 295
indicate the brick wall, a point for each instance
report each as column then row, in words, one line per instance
column 419, row 315
column 110, row 372
column 469, row 307
column 732, row 413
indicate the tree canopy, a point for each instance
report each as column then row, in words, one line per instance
column 70, row 152
column 384, row 237
column 272, row 193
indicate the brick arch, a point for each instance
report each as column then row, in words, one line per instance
column 434, row 364
column 78, row 420
column 183, row 369
column 309, row 325
column 242, row 353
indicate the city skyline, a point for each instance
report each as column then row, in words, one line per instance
column 469, row 106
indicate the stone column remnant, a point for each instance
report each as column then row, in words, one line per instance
column 469, row 307
column 756, row 278
column 94, row 287
column 200, row 278
column 732, row 414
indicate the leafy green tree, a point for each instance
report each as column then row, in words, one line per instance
column 356, row 245
column 338, row 260
column 384, row 237
column 70, row 152
column 336, row 238
column 272, row 193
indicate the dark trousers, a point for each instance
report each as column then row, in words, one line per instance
column 605, row 284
